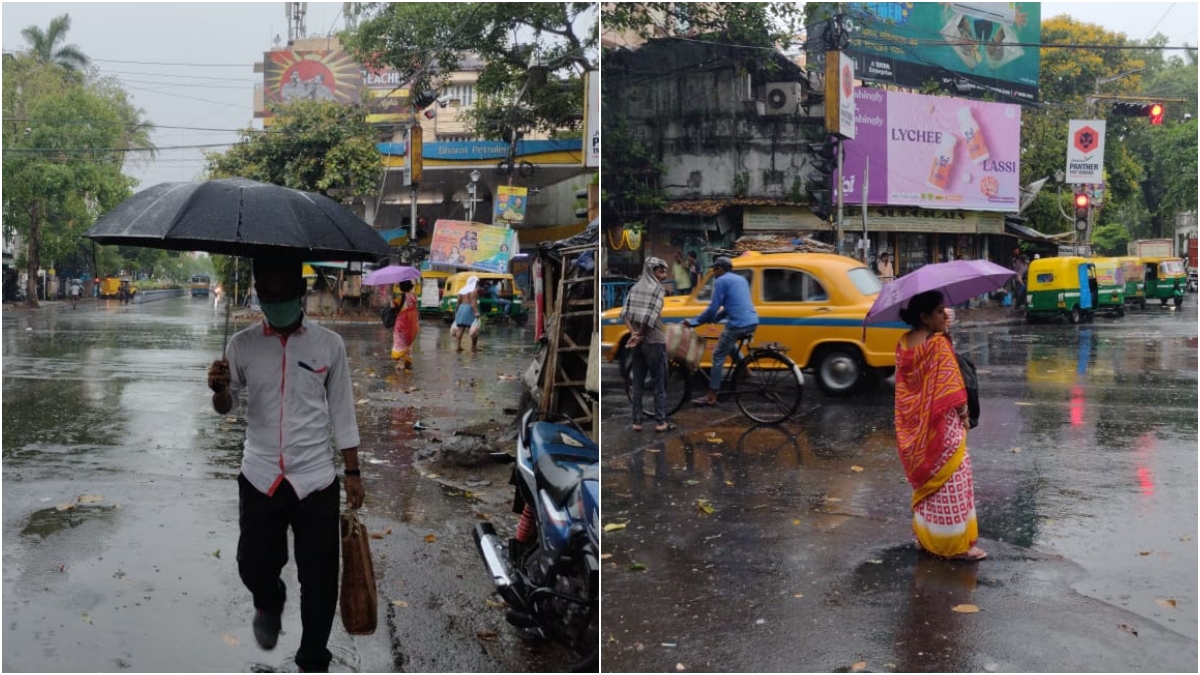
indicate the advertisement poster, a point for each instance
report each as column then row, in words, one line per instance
column 934, row 152
column 460, row 243
column 310, row 76
column 1085, row 151
column 510, row 205
column 990, row 44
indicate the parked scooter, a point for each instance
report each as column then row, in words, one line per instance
column 549, row 573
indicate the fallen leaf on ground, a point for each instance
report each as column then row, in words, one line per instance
column 362, row 401
column 795, row 521
column 65, row 506
column 832, row 499
column 798, row 595
column 1127, row 629
column 493, row 604
column 400, row 603
column 1022, row 403
column 613, row 527
column 691, row 481
column 230, row 640
column 381, row 535
column 431, row 538
column 964, row 609
column 486, row 635
column 680, row 666
column 858, row 666
column 729, row 483
column 605, row 556
column 857, row 469
column 216, row 553
column 1145, row 552
column 231, row 420
column 1168, row 603
column 637, row 567
column 1016, row 451
column 875, row 562
column 704, row 505
column 714, row 440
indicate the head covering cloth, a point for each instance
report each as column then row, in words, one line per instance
column 644, row 303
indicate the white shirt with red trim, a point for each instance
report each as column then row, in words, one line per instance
column 298, row 391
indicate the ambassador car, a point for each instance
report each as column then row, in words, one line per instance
column 812, row 303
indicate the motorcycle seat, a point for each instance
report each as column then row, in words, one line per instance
column 560, row 477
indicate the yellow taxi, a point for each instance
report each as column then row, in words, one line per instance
column 812, row 303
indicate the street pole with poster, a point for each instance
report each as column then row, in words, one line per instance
column 1085, row 164
column 416, row 163
column 839, row 120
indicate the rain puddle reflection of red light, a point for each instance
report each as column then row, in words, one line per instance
column 1076, row 406
column 1145, row 478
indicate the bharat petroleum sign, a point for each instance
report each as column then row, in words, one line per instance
column 1085, row 151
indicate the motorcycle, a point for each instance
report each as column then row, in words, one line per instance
column 549, row 572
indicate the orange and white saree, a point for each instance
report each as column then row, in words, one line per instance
column 932, row 441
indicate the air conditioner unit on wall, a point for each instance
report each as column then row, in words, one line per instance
column 782, row 98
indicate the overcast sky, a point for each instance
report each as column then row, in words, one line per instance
column 189, row 66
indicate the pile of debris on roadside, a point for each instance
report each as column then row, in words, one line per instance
column 775, row 243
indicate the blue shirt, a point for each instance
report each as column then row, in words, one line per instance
column 731, row 297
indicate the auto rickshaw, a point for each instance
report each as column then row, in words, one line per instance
column 1061, row 287
column 1166, row 279
column 1110, row 282
column 1135, row 280
column 490, row 309
column 433, row 288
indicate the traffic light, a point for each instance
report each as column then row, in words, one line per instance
column 425, row 99
column 1152, row 111
column 1156, row 113
column 824, row 161
column 1082, row 206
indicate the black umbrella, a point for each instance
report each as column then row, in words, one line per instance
column 238, row 216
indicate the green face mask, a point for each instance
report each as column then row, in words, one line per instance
column 281, row 314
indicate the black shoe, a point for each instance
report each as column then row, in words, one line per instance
column 266, row 628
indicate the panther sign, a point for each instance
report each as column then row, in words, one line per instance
column 1085, row 151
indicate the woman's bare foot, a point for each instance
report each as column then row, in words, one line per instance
column 975, row 553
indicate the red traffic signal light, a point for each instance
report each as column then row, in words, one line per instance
column 1082, row 208
column 1155, row 111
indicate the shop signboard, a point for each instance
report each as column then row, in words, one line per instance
column 935, row 152
column 463, row 244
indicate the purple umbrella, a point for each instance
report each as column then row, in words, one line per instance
column 958, row 280
column 393, row 274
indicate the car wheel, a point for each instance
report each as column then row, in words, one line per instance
column 1076, row 315
column 1179, row 301
column 447, row 319
column 840, row 371
column 1121, row 311
column 521, row 319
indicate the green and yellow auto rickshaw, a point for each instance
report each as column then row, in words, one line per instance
column 1061, row 287
column 1166, row 280
column 1110, row 285
column 492, row 308
column 1135, row 280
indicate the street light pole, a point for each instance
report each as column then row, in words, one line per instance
column 471, row 192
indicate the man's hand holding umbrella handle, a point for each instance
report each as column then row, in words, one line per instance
column 354, row 487
column 218, row 381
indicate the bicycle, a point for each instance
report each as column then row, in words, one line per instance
column 765, row 383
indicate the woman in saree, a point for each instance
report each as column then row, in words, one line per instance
column 404, row 331
column 931, row 432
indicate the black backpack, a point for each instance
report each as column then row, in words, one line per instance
column 388, row 316
column 971, row 382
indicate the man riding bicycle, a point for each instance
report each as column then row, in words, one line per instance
column 731, row 300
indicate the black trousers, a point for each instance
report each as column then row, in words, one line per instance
column 262, row 553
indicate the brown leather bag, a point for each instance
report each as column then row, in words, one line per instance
column 359, row 603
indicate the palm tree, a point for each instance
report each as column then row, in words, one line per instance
column 45, row 45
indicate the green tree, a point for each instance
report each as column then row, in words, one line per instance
column 61, row 163
column 534, row 55
column 314, row 146
column 46, row 47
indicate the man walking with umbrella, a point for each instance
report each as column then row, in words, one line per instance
column 297, row 382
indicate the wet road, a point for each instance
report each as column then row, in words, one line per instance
column 789, row 549
column 120, row 506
